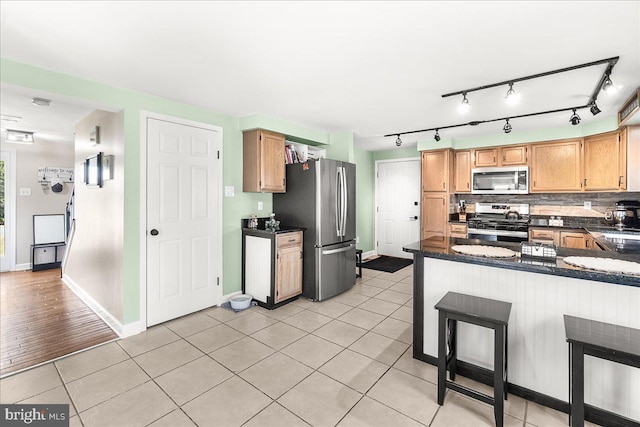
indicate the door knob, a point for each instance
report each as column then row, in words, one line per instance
column 154, row 232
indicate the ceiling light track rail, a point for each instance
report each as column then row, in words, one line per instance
column 611, row 61
column 478, row 122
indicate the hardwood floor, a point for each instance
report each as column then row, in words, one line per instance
column 42, row 319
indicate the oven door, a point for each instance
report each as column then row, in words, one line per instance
column 498, row 235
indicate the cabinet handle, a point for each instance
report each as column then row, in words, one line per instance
column 585, row 183
column 494, row 159
column 564, row 241
column 467, row 185
column 443, row 185
column 620, row 180
column 534, row 183
column 504, row 158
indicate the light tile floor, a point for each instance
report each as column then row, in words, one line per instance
column 342, row 362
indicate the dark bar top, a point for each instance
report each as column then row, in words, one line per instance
column 280, row 230
column 482, row 308
column 434, row 248
column 606, row 336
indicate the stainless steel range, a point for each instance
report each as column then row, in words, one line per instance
column 500, row 222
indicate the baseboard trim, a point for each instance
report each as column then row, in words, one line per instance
column 369, row 254
column 107, row 317
column 485, row 376
column 23, row 267
column 227, row 297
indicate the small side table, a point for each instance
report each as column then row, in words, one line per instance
column 604, row 340
column 359, row 262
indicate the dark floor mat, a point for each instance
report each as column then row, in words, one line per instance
column 387, row 263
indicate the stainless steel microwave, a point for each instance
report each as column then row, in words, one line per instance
column 504, row 180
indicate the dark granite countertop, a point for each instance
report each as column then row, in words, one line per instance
column 280, row 230
column 436, row 249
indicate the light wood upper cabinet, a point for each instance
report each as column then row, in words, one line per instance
column 622, row 165
column 437, row 167
column 513, row 155
column 486, row 157
column 462, row 176
column 263, row 162
column 509, row 155
column 556, row 167
column 602, row 162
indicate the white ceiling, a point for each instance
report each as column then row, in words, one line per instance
column 372, row 68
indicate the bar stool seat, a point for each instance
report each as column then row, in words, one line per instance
column 489, row 313
column 607, row 341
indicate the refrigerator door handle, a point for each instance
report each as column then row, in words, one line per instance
column 338, row 201
column 337, row 251
column 344, row 202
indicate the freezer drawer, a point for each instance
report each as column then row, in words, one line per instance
column 335, row 269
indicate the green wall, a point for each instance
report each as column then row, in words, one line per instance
column 365, row 199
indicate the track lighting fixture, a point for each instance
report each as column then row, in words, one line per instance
column 594, row 108
column 398, row 141
column 464, row 106
column 19, row 137
column 575, row 118
column 608, row 86
column 507, row 127
column 512, row 98
column 436, row 136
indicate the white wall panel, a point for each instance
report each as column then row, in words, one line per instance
column 538, row 351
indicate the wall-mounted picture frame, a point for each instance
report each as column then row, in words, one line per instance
column 94, row 136
column 93, row 170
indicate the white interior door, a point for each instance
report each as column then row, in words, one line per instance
column 183, row 220
column 7, row 224
column 398, row 206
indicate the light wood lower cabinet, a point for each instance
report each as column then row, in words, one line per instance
column 434, row 215
column 576, row 239
column 458, row 230
column 572, row 239
column 272, row 266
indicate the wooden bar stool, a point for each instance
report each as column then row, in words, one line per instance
column 454, row 307
column 604, row 340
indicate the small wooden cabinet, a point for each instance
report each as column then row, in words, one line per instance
column 573, row 239
column 508, row 155
column 272, row 266
column 458, row 230
column 605, row 165
column 462, row 175
column 435, row 213
column 576, row 239
column 437, row 168
column 556, row 167
column 263, row 162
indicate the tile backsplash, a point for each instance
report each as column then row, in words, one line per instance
column 562, row 204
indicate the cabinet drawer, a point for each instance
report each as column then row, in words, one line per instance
column 541, row 234
column 458, row 228
column 289, row 239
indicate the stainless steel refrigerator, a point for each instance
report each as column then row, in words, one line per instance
column 321, row 198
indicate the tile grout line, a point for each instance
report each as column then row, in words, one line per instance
column 64, row 384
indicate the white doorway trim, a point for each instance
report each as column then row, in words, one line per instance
column 144, row 115
column 10, row 214
column 375, row 212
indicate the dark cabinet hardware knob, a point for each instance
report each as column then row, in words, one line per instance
column 415, row 203
column 154, row 232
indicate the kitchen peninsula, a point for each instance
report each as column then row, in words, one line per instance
column 541, row 291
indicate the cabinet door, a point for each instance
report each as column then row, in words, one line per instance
column 434, row 215
column 462, row 182
column 601, row 162
column 556, row 167
column 272, row 165
column 435, row 170
column 570, row 239
column 458, row 230
column 513, row 156
column 486, row 157
column 622, row 164
column 288, row 273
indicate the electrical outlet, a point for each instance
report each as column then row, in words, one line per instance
column 260, row 206
column 25, row 191
column 229, row 191
column 587, row 205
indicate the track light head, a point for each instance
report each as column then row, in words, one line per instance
column 436, row 136
column 507, row 127
column 575, row 118
column 464, row 106
column 398, row 141
column 594, row 108
column 608, row 86
column 512, row 97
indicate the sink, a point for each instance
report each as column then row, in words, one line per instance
column 621, row 236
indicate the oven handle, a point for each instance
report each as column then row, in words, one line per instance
column 498, row 232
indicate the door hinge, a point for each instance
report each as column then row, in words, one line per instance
column 377, row 209
column 217, row 281
column 218, row 154
column 377, row 175
column 376, row 243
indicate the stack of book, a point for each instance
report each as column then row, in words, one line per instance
column 291, row 155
